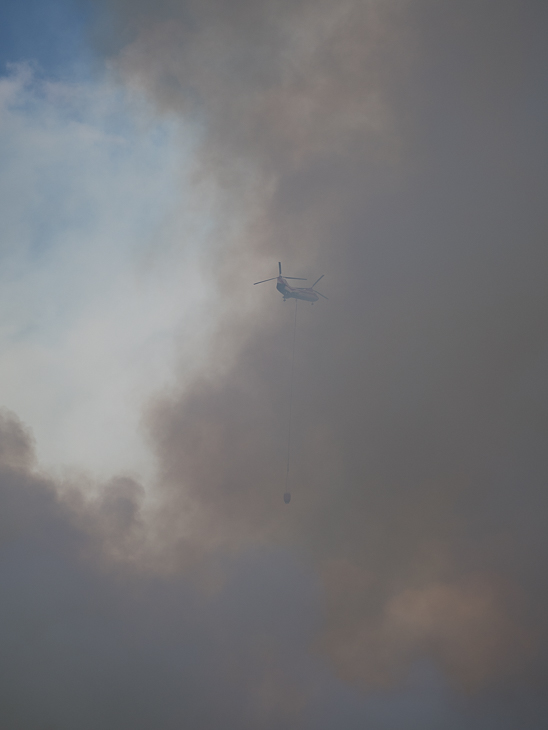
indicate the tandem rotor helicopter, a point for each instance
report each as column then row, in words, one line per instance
column 307, row 294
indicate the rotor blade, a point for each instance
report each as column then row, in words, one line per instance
column 317, row 280
column 263, row 281
column 280, row 267
column 296, row 278
column 322, row 295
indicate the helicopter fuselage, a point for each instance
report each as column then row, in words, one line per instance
column 290, row 292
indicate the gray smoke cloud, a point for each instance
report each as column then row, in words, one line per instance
column 90, row 639
column 399, row 148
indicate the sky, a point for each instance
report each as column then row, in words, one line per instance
column 157, row 158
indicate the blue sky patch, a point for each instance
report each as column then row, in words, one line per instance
column 51, row 34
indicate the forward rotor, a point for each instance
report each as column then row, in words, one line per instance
column 322, row 295
column 314, row 284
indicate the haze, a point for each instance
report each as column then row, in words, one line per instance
column 157, row 159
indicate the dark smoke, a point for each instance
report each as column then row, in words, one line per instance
column 398, row 146
column 91, row 641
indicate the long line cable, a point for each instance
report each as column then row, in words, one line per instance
column 291, row 395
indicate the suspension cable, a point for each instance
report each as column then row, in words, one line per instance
column 291, row 400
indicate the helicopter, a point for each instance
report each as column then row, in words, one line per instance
column 307, row 294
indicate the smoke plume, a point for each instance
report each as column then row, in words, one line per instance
column 399, row 148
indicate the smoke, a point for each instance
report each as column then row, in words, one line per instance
column 96, row 640
column 394, row 147
column 397, row 147
column 384, row 143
